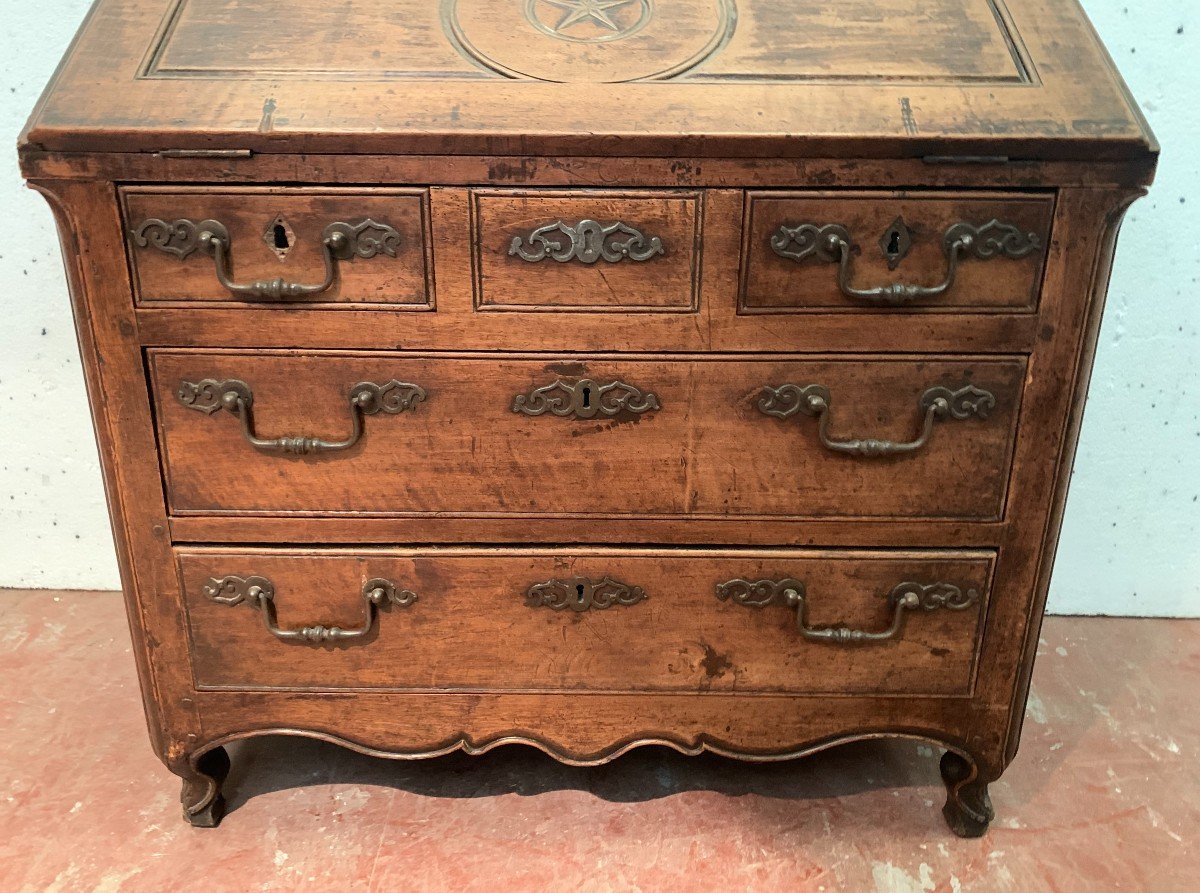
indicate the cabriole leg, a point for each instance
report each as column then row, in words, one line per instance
column 968, row 808
column 203, row 805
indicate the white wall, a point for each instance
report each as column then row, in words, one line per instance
column 1133, row 522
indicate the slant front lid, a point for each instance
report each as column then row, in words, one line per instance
column 1025, row 78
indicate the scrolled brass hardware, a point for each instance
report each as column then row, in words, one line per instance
column 259, row 592
column 832, row 243
column 339, row 241
column 904, row 598
column 366, row 398
column 581, row 594
column 587, row 241
column 585, row 399
column 937, row 403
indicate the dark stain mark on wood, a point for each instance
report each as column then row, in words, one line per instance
column 568, row 370
column 715, row 664
column 266, row 123
column 907, row 116
column 624, row 417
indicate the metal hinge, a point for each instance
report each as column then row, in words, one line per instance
column 204, row 153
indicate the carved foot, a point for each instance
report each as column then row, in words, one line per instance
column 203, row 804
column 968, row 808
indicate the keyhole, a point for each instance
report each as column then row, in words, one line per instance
column 579, row 593
column 279, row 234
column 587, row 402
column 893, row 247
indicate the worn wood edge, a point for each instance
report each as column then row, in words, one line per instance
column 26, row 140
column 187, row 530
column 678, row 170
column 1102, row 265
column 40, row 136
column 1135, row 109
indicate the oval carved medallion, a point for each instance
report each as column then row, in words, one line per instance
column 589, row 41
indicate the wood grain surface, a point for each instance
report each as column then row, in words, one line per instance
column 470, row 628
column 707, row 451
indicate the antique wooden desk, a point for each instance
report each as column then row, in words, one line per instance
column 587, row 373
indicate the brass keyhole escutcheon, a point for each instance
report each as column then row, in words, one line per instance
column 279, row 237
column 896, row 242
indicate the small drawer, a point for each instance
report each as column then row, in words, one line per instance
column 333, row 247
column 511, row 436
column 766, row 621
column 586, row 251
column 893, row 251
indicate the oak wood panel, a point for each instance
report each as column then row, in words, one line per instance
column 707, row 451
column 471, row 628
column 104, row 98
column 1079, row 265
column 665, row 282
column 772, row 283
column 248, row 214
column 88, row 219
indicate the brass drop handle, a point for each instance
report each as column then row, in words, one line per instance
column 235, row 396
column 259, row 592
column 832, row 242
column 935, row 404
column 904, row 598
column 339, row 241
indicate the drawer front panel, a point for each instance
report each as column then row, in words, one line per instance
column 978, row 252
column 373, row 242
column 635, row 621
column 592, row 250
column 500, row 436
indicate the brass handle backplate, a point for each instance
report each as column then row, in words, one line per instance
column 585, row 399
column 581, row 594
column 339, row 242
column 366, row 398
column 904, row 598
column 935, row 404
column 587, row 242
column 832, row 243
column 259, row 592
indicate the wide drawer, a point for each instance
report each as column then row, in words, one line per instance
column 586, row 250
column 798, row 622
column 279, row 245
column 892, row 251
column 501, row 436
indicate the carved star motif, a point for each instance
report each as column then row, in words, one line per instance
column 576, row 11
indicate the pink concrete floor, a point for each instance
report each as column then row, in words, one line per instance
column 1105, row 793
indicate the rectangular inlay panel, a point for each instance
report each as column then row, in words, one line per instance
column 763, row 41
